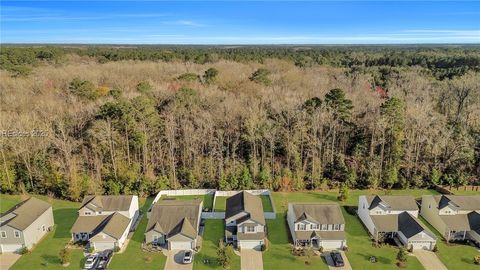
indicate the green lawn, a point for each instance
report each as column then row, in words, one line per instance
column 454, row 256
column 214, row 231
column 221, row 202
column 45, row 254
column 278, row 256
column 360, row 247
column 134, row 257
column 207, row 199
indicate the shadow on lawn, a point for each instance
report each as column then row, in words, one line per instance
column 64, row 219
column 49, row 259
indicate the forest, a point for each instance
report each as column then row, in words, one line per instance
column 79, row 120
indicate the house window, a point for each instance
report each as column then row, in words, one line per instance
column 100, row 212
column 378, row 212
column 3, row 234
column 324, row 227
column 250, row 229
column 16, row 234
column 43, row 228
column 336, row 227
column 88, row 213
column 315, row 226
column 430, row 206
column 301, row 227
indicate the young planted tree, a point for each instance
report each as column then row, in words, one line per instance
column 225, row 256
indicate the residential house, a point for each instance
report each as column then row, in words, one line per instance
column 174, row 224
column 317, row 225
column 105, row 221
column 245, row 223
column 455, row 217
column 396, row 218
column 25, row 224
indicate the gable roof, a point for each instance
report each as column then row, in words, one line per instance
column 24, row 214
column 403, row 222
column 245, row 202
column 471, row 202
column 474, row 221
column 114, row 224
column 406, row 203
column 322, row 213
column 172, row 217
column 107, row 203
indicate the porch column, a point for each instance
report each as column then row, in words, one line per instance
column 464, row 234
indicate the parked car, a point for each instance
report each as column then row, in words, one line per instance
column 337, row 259
column 104, row 259
column 91, row 261
column 187, row 256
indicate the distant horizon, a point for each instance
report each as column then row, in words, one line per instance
column 250, row 45
column 240, row 23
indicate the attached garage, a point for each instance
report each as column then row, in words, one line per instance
column 332, row 244
column 181, row 245
column 426, row 245
column 10, row 247
column 250, row 244
column 100, row 246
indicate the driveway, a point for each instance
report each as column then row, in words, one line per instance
column 429, row 260
column 8, row 259
column 174, row 261
column 251, row 259
column 331, row 265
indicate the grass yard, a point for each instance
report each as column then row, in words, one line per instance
column 207, row 199
column 221, row 202
column 454, row 256
column 357, row 237
column 214, row 231
column 134, row 257
column 278, row 256
column 45, row 254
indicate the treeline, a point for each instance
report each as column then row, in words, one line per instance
column 441, row 62
column 137, row 127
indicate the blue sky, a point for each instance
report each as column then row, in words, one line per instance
column 267, row 22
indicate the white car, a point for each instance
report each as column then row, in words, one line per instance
column 91, row 261
column 187, row 256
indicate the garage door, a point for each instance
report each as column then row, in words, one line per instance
column 421, row 245
column 180, row 245
column 334, row 244
column 100, row 246
column 250, row 244
column 10, row 248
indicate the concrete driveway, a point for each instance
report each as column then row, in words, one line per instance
column 429, row 260
column 174, row 261
column 331, row 265
column 251, row 259
column 8, row 259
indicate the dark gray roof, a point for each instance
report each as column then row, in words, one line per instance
column 172, row 217
column 245, row 202
column 24, row 214
column 322, row 213
column 408, row 225
column 474, row 221
column 108, row 203
column 393, row 202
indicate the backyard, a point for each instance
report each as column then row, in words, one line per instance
column 221, row 202
column 214, row 232
column 207, row 199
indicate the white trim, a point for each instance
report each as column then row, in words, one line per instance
column 15, row 232
column 3, row 234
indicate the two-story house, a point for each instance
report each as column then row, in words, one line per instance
column 174, row 224
column 105, row 221
column 395, row 217
column 25, row 224
column 317, row 225
column 245, row 223
column 455, row 217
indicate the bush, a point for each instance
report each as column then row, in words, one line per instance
column 225, row 256
column 91, row 250
column 64, row 255
column 476, row 259
column 83, row 89
column 410, row 249
column 147, row 259
column 116, row 249
column 210, row 75
column 402, row 258
column 143, row 87
column 23, row 250
column 261, row 76
column 189, row 77
column 435, row 248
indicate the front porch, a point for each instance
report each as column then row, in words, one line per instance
column 313, row 243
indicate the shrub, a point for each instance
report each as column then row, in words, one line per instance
column 210, row 75
column 91, row 250
column 401, row 258
column 103, row 90
column 147, row 259
column 143, row 87
column 225, row 255
column 261, row 76
column 83, row 89
column 435, row 248
column 476, row 259
column 23, row 250
column 64, row 255
column 189, row 77
column 116, row 249
column 410, row 249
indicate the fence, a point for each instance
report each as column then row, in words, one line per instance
column 264, row 192
column 213, row 215
column 183, row 192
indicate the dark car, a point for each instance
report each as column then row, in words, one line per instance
column 104, row 258
column 337, row 259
